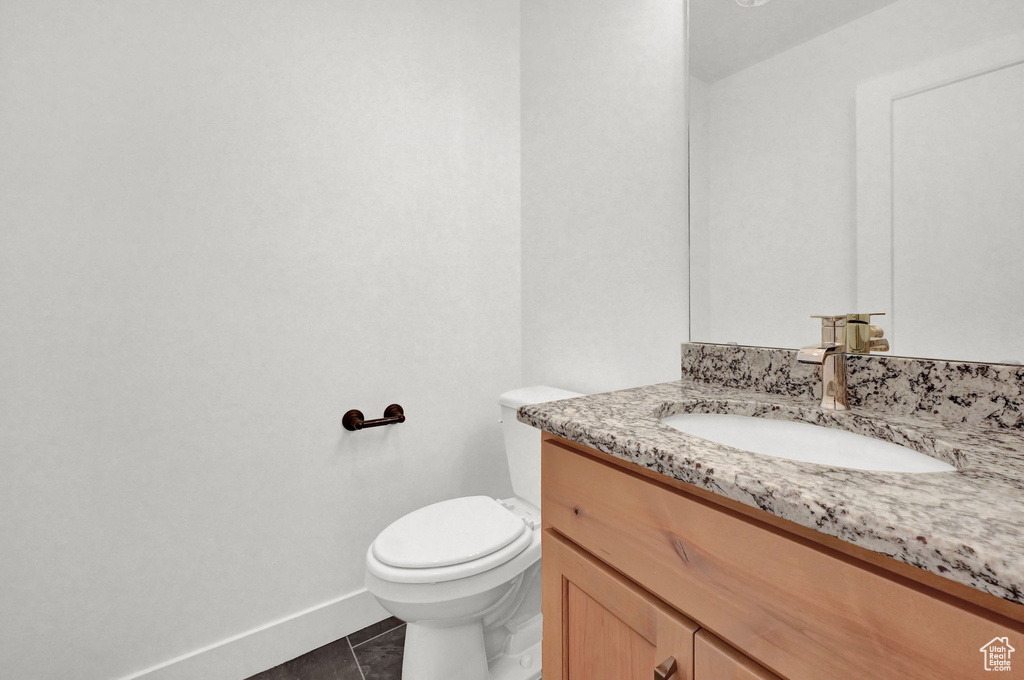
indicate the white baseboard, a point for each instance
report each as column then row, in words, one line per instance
column 257, row 650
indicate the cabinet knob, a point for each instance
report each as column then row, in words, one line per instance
column 666, row 669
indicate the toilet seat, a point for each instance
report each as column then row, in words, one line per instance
column 447, row 533
column 450, row 540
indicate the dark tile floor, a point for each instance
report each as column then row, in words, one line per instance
column 373, row 653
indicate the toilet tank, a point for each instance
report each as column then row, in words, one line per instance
column 522, row 442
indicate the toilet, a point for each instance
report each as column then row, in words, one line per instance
column 465, row 573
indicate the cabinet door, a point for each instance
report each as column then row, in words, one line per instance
column 600, row 626
column 715, row 660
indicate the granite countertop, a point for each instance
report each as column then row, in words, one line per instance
column 966, row 525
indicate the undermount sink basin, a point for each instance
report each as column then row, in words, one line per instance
column 805, row 442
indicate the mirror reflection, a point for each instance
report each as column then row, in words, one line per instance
column 859, row 157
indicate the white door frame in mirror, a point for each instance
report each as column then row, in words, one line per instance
column 875, row 101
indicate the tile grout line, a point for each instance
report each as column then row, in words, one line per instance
column 389, row 630
column 355, row 658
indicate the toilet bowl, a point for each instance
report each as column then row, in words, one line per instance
column 464, row 573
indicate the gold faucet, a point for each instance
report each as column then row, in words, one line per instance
column 841, row 335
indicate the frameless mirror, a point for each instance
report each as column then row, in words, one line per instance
column 859, row 156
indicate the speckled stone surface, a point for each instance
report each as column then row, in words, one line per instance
column 966, row 525
column 955, row 391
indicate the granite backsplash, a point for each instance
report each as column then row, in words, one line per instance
column 953, row 391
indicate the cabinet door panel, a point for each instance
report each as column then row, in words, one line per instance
column 600, row 626
column 602, row 646
column 715, row 660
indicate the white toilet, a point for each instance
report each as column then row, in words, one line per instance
column 465, row 573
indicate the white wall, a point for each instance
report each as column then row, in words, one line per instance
column 783, row 162
column 604, row 192
column 224, row 224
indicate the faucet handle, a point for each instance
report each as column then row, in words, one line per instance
column 878, row 346
column 862, row 337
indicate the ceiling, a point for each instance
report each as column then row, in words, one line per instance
column 726, row 38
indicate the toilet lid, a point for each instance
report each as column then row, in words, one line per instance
column 446, row 533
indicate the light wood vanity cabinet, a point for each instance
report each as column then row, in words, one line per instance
column 637, row 569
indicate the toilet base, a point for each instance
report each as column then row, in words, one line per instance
column 457, row 653
column 440, row 653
